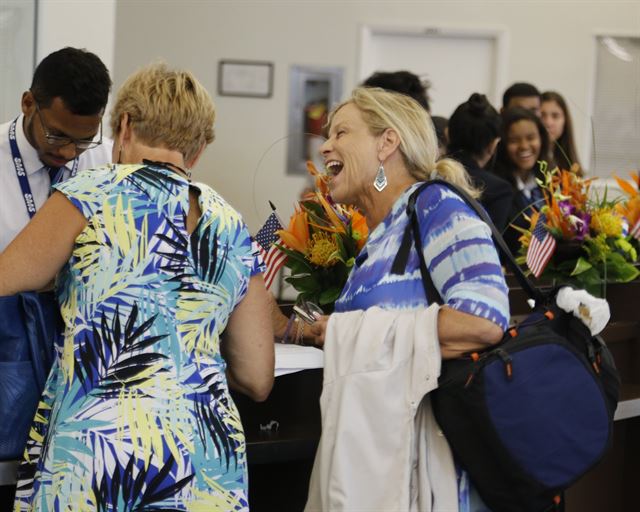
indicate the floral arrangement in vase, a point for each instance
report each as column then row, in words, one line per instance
column 591, row 245
column 321, row 242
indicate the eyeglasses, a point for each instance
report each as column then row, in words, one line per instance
column 58, row 141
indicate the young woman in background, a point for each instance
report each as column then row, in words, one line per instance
column 557, row 120
column 524, row 144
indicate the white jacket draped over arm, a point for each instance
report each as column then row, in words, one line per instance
column 380, row 448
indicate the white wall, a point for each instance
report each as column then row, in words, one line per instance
column 17, row 30
column 89, row 24
column 550, row 45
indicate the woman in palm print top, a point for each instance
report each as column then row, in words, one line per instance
column 136, row 413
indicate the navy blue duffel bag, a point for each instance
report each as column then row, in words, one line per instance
column 532, row 414
column 29, row 324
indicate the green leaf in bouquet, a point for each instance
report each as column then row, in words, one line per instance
column 555, row 232
column 597, row 248
column 297, row 267
column 590, row 280
column 330, row 295
column 619, row 269
column 303, row 282
column 581, row 266
column 343, row 253
column 560, row 269
column 314, row 208
column 317, row 215
column 626, row 248
column 347, row 245
column 296, row 257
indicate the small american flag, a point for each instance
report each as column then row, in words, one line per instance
column 541, row 247
column 635, row 230
column 273, row 257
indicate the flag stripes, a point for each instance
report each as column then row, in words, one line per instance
column 541, row 247
column 267, row 240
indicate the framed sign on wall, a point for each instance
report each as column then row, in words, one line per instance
column 245, row 78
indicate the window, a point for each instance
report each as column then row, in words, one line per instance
column 615, row 145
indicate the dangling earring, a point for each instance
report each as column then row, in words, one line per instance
column 380, row 182
column 119, row 156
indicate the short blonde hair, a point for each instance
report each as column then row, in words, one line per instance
column 167, row 108
column 383, row 109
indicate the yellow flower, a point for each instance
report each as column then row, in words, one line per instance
column 323, row 250
column 605, row 221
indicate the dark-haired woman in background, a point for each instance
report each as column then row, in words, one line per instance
column 524, row 143
column 557, row 120
column 474, row 133
column 441, row 125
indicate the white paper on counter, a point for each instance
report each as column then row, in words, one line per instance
column 294, row 358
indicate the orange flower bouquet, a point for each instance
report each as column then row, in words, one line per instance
column 321, row 242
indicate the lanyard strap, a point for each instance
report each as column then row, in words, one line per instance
column 57, row 174
column 21, row 172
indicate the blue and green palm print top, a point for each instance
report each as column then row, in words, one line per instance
column 136, row 414
column 458, row 250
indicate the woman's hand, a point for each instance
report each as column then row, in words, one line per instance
column 317, row 330
column 278, row 318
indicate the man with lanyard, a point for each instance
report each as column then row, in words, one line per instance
column 58, row 134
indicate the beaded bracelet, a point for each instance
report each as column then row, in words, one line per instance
column 299, row 331
column 287, row 329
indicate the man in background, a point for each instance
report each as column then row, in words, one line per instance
column 58, row 133
column 524, row 95
column 403, row 82
column 411, row 85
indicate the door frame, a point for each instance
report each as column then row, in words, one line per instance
column 498, row 34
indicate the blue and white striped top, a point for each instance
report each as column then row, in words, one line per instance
column 459, row 252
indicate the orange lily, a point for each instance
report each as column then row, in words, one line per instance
column 320, row 178
column 358, row 227
column 630, row 208
column 525, row 238
column 296, row 236
column 627, row 187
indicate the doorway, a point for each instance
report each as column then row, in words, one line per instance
column 456, row 62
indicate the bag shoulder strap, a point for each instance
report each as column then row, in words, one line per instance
column 413, row 231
